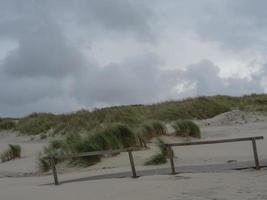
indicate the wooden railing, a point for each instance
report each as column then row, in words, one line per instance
column 53, row 159
column 168, row 146
column 252, row 139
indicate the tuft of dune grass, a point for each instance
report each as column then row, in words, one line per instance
column 161, row 156
column 186, row 128
column 151, row 129
column 42, row 164
column 113, row 136
column 13, row 152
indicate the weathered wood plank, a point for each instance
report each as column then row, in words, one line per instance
column 171, row 160
column 253, row 139
column 96, row 153
column 108, row 152
column 216, row 141
column 132, row 163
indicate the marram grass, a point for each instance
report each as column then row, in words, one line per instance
column 13, row 152
column 186, row 128
column 161, row 156
column 134, row 115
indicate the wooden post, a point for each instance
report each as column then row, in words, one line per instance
column 53, row 166
column 132, row 163
column 257, row 165
column 144, row 143
column 171, row 160
column 140, row 141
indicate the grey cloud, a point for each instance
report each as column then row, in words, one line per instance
column 43, row 49
column 235, row 24
column 48, row 72
column 205, row 76
column 35, row 72
column 55, row 105
column 43, row 53
column 121, row 14
column 28, row 90
column 131, row 17
column 135, row 80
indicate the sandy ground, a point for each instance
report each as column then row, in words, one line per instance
column 238, row 185
column 248, row 184
column 30, row 150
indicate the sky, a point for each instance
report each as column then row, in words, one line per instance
column 65, row 55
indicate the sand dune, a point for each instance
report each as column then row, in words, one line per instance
column 249, row 184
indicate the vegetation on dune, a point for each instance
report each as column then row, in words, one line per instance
column 36, row 123
column 7, row 124
column 199, row 108
column 186, row 128
column 134, row 116
column 13, row 152
column 161, row 156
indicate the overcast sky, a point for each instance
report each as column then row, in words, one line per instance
column 64, row 55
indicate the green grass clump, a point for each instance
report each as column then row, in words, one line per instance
column 13, row 152
column 55, row 148
column 114, row 136
column 151, row 129
column 156, row 159
column 186, row 128
column 43, row 164
column 161, row 156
